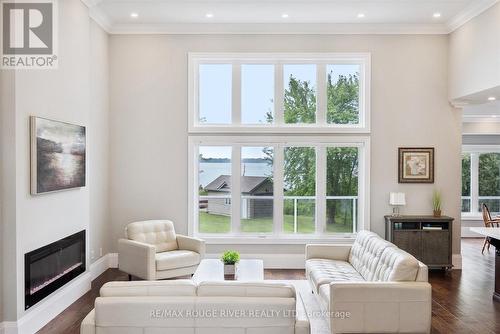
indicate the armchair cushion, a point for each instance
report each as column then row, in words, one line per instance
column 176, row 259
column 160, row 233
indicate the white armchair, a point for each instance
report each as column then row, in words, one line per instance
column 153, row 251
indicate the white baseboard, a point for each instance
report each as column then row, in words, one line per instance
column 8, row 327
column 456, row 260
column 107, row 261
column 273, row 261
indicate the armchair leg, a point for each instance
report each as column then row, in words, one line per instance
column 129, row 277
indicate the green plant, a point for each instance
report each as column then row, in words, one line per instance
column 436, row 200
column 230, row 257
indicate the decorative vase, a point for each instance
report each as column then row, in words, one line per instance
column 437, row 213
column 229, row 271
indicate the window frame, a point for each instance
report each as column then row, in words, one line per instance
column 321, row 60
column 475, row 151
column 279, row 142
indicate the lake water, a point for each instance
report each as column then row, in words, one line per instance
column 209, row 171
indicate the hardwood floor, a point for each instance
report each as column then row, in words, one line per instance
column 462, row 299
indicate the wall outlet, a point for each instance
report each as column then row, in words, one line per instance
column 100, row 252
column 92, row 254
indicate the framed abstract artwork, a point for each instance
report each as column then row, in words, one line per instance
column 416, row 165
column 58, row 155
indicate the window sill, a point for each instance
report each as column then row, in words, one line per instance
column 260, row 240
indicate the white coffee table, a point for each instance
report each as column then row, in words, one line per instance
column 213, row 270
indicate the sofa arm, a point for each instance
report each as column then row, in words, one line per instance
column 405, row 307
column 192, row 244
column 88, row 324
column 137, row 258
column 302, row 324
column 338, row 252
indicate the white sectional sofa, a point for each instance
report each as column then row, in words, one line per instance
column 370, row 287
column 182, row 307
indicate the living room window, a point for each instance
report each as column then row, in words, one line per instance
column 480, row 179
column 278, row 187
column 279, row 145
column 279, row 93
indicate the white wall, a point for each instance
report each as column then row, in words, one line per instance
column 98, row 141
column 72, row 93
column 475, row 55
column 148, row 96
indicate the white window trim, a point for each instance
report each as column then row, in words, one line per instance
column 363, row 142
column 278, row 59
column 475, row 151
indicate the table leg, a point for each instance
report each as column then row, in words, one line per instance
column 496, row 294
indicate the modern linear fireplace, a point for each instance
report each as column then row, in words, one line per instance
column 48, row 268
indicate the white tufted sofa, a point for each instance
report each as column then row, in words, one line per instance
column 153, row 251
column 370, row 287
column 183, row 307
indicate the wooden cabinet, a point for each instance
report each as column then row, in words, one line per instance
column 425, row 237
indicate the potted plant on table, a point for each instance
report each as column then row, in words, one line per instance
column 230, row 260
column 436, row 203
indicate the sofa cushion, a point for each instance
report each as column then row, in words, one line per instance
column 176, row 259
column 160, row 233
column 245, row 289
column 365, row 253
column 149, row 288
column 396, row 265
column 323, row 271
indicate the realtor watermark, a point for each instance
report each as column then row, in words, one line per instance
column 28, row 34
column 243, row 313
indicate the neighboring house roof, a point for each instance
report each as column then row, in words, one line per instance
column 249, row 184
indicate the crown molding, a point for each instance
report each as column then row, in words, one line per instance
column 470, row 12
column 278, row 28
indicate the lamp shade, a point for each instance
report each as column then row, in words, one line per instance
column 397, row 199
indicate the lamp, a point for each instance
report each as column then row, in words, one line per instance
column 397, row 200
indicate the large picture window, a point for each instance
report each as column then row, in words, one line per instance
column 480, row 179
column 278, row 146
column 278, row 187
column 310, row 93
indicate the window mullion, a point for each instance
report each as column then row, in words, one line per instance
column 236, row 189
column 321, row 95
column 236, row 95
column 279, row 95
column 278, row 166
column 474, row 182
column 321, row 189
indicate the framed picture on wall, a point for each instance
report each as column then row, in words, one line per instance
column 416, row 165
column 58, row 154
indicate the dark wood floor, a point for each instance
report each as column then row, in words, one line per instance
column 462, row 299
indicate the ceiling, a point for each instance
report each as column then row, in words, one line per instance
column 284, row 16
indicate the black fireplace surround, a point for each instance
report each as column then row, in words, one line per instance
column 48, row 268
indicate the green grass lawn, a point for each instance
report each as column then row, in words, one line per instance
column 221, row 224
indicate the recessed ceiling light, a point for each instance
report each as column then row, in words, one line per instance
column 209, row 15
column 436, row 15
column 494, row 116
column 361, row 15
column 134, row 15
column 284, row 15
column 492, row 98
